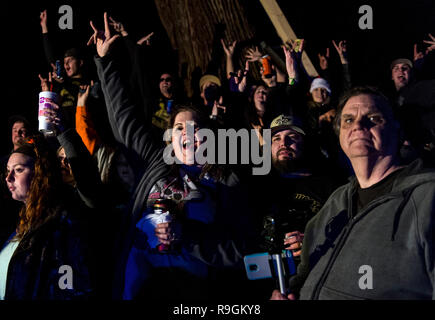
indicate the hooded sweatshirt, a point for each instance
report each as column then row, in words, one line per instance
column 383, row 251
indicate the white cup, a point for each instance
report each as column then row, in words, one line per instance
column 45, row 98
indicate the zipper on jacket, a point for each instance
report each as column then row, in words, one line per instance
column 320, row 283
column 346, row 231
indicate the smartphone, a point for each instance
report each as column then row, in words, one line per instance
column 258, row 266
column 262, row 266
column 59, row 69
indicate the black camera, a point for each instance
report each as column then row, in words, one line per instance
column 276, row 225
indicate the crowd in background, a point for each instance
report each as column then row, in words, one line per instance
column 87, row 196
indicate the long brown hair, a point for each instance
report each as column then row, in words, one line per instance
column 45, row 188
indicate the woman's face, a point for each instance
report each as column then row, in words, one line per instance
column 260, row 99
column 184, row 138
column 319, row 95
column 20, row 171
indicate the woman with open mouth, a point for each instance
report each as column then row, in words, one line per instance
column 183, row 257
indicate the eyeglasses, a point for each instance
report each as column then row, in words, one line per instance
column 166, row 79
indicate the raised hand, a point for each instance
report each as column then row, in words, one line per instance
column 118, row 27
column 243, row 76
column 146, row 39
column 102, row 40
column 45, row 83
column 323, row 60
column 83, row 95
column 290, row 62
column 54, row 74
column 253, row 54
column 431, row 44
column 341, row 50
column 43, row 22
column 297, row 47
column 229, row 50
column 418, row 55
column 218, row 105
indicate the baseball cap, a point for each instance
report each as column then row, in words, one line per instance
column 285, row 122
column 401, row 60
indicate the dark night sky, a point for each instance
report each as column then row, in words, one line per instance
column 396, row 27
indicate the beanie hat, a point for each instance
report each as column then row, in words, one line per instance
column 320, row 83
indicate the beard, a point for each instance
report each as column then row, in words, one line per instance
column 289, row 165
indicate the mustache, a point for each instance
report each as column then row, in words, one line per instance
column 289, row 150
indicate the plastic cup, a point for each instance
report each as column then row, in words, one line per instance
column 45, row 100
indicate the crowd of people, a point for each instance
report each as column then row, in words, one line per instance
column 93, row 210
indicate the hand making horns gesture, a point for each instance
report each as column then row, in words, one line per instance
column 102, row 40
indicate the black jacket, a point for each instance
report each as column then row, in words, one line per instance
column 34, row 271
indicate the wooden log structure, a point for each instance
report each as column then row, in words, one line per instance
column 190, row 25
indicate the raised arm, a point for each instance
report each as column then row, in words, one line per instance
column 341, row 48
column 127, row 126
column 84, row 124
column 291, row 65
column 48, row 46
column 229, row 52
column 83, row 167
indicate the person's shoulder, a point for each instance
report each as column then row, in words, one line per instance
column 340, row 195
column 328, row 183
column 414, row 174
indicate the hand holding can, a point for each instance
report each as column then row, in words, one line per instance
column 46, row 98
column 163, row 220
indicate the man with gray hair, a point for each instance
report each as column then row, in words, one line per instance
column 374, row 237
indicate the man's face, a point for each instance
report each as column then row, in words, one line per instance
column 400, row 74
column 287, row 145
column 166, row 84
column 19, row 131
column 72, row 66
column 367, row 129
column 319, row 95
